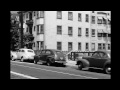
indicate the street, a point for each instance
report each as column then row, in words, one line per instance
column 33, row 71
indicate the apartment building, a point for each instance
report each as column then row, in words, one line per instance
column 63, row 30
column 100, row 30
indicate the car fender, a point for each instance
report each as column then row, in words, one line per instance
column 52, row 58
column 84, row 61
column 106, row 63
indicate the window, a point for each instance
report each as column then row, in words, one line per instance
column 59, row 14
column 96, row 55
column 30, row 51
column 93, row 32
column 38, row 29
column 99, row 34
column 109, row 47
column 93, row 11
column 79, row 32
column 34, row 44
column 59, row 29
column 70, row 31
column 34, row 28
column 37, row 14
column 34, row 13
column 104, row 46
column 42, row 29
column 87, row 18
column 104, row 21
column 69, row 46
column 93, row 46
column 26, row 15
column 93, row 19
column 48, row 52
column 99, row 21
column 87, row 46
column 70, row 16
column 87, row 32
column 41, row 14
column 59, row 46
column 41, row 45
column 99, row 46
column 79, row 46
column 43, row 51
column 79, row 17
column 37, row 45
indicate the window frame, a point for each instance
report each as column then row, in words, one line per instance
column 70, row 31
column 87, row 32
column 79, row 31
column 79, row 46
column 80, row 17
column 93, row 34
column 70, row 46
column 59, row 29
column 87, row 18
column 70, row 16
column 59, row 45
column 59, row 14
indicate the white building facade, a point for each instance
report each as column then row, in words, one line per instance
column 65, row 30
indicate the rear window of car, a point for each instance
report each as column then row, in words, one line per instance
column 30, row 51
column 58, row 52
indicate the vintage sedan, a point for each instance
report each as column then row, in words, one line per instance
column 50, row 56
column 99, row 60
column 13, row 55
column 25, row 54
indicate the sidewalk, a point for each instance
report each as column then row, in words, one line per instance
column 71, row 63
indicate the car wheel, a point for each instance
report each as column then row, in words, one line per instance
column 35, row 62
column 22, row 59
column 80, row 66
column 108, row 69
column 49, row 62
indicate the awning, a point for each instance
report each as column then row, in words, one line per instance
column 100, row 18
column 100, row 31
column 105, row 31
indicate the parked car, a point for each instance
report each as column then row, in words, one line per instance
column 50, row 56
column 13, row 55
column 25, row 54
column 99, row 60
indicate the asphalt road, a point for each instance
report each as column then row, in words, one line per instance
column 53, row 72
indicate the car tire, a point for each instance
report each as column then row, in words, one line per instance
column 35, row 62
column 107, row 69
column 49, row 63
column 22, row 59
column 80, row 65
column 12, row 58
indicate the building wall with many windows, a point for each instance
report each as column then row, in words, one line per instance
column 70, row 30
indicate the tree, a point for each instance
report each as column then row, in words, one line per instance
column 14, row 32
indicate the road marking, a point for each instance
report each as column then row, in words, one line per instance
column 23, row 75
column 58, row 72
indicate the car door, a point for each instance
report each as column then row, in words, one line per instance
column 42, row 55
column 94, row 59
column 101, row 60
column 47, row 53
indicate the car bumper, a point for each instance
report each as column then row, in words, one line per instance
column 61, row 62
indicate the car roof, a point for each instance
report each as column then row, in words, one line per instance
column 105, row 51
column 25, row 49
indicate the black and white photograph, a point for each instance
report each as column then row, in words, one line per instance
column 60, row 45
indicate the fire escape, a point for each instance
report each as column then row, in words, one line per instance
column 29, row 23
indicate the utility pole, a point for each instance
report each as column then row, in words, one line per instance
column 21, row 29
